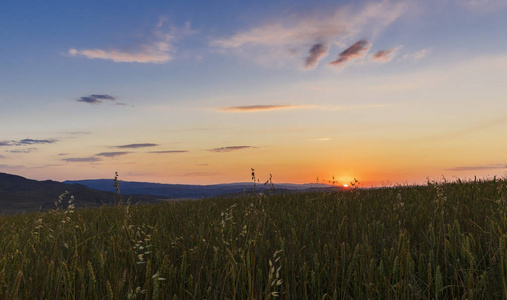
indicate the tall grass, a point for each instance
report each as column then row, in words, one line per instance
column 442, row 240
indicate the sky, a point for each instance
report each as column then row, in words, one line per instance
column 200, row 92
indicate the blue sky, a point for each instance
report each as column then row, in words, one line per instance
column 200, row 91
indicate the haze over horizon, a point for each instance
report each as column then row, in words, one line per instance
column 199, row 92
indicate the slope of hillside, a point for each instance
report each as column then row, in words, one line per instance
column 18, row 194
column 189, row 191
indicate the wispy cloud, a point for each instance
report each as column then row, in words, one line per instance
column 384, row 55
column 135, row 146
column 35, row 142
column 77, row 132
column 11, row 167
column 82, row 159
column 254, row 108
column 315, row 54
column 26, row 150
column 483, row 6
column 25, row 142
column 479, row 168
column 111, row 154
column 47, row 166
column 169, row 151
column 417, row 55
column 156, row 53
column 2, row 156
column 358, row 50
column 96, row 99
column 306, row 36
column 159, row 50
column 492, row 122
column 231, row 148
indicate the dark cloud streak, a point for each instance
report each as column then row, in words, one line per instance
column 111, row 154
column 82, row 159
column 231, row 148
column 315, row 54
column 35, row 142
column 135, row 146
column 383, row 55
column 252, row 108
column 355, row 51
column 169, row 151
column 27, row 142
column 96, row 99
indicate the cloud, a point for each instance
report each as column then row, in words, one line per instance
column 111, row 154
column 47, row 166
column 253, row 108
column 12, row 167
column 315, row 54
column 479, row 168
column 77, row 132
column 27, row 150
column 159, row 50
column 156, row 53
column 24, row 142
column 82, row 159
column 96, row 99
column 417, row 55
column 2, row 156
column 231, row 148
column 169, row 151
column 483, row 6
column 135, row 146
column 358, row 50
column 304, row 36
column 34, row 142
column 384, row 55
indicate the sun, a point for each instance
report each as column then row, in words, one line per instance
column 345, row 185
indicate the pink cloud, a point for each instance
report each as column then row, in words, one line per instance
column 289, row 38
column 384, row 55
column 358, row 50
column 157, row 53
column 315, row 54
column 254, row 108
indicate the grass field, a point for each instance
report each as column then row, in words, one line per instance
column 441, row 240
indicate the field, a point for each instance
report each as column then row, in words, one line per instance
column 440, row 240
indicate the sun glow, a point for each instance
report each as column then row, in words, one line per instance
column 345, row 185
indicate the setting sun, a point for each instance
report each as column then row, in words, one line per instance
column 345, row 185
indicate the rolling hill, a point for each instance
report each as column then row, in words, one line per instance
column 19, row 194
column 174, row 191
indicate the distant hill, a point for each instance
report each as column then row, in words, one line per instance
column 18, row 194
column 172, row 191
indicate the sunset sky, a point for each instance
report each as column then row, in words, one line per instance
column 199, row 92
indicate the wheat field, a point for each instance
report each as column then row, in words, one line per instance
column 440, row 240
